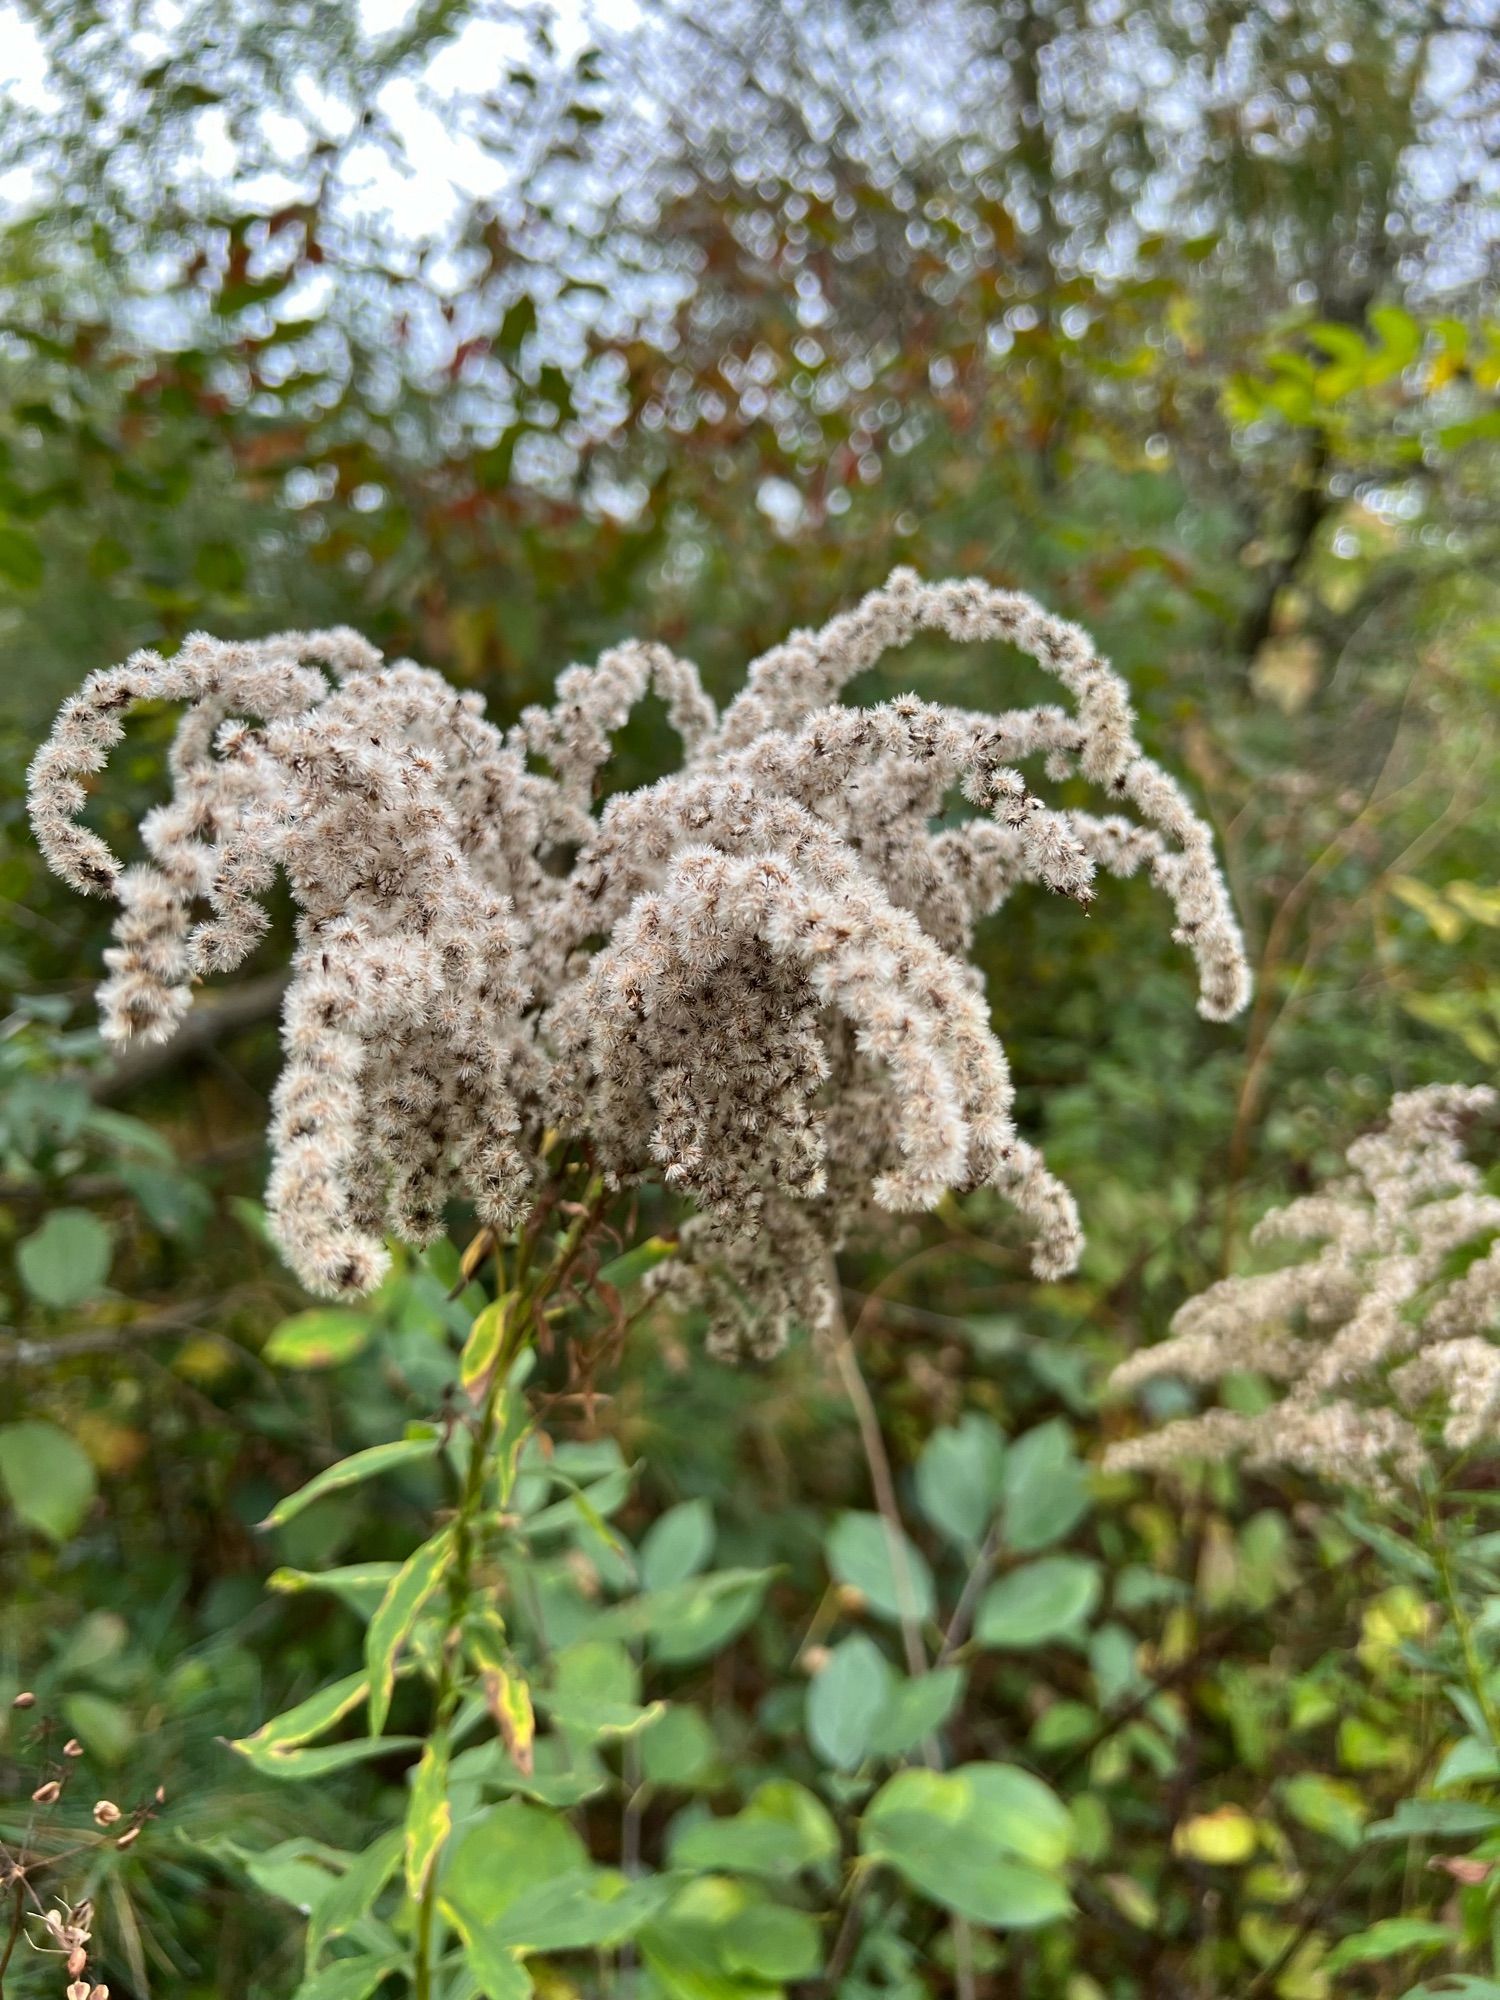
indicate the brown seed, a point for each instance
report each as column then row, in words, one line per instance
column 72, row 1748
column 106, row 1812
column 24, row 1700
column 126, row 1838
column 45, row 1794
column 78, row 1958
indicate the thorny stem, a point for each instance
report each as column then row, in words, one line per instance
column 529, row 1293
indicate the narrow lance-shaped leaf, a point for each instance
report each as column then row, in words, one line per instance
column 429, row 1818
column 350, row 1471
column 506, row 1693
column 405, row 1598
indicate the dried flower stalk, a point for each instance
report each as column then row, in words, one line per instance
column 749, row 980
column 1367, row 1334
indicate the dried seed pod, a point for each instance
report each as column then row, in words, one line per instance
column 47, row 1794
column 106, row 1812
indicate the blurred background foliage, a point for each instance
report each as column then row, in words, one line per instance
column 501, row 334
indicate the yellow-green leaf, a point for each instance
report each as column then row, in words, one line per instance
column 350, row 1471
column 1224, row 1838
column 322, row 1338
column 406, row 1596
column 429, row 1817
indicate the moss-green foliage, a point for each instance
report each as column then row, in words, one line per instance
column 1196, row 1740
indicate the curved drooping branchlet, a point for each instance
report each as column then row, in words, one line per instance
column 749, row 981
column 1375, row 1346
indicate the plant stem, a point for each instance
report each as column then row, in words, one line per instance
column 530, row 1291
column 17, row 1911
column 1474, row 1671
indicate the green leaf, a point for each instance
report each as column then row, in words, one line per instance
column 1454, row 1986
column 767, row 1941
column 596, row 1691
column 501, row 1974
column 580, row 1910
column 721, row 1939
column 482, row 1347
column 915, row 1710
column 326, row 1337
column 276, row 1748
column 354, row 1894
column 677, row 1545
column 325, row 1758
column 429, row 1817
column 46, row 1477
column 104, row 1728
column 1326, row 1805
column 880, row 1562
column 515, row 1848
column 678, row 1748
column 299, row 1872
column 691, row 1620
column 349, row 1978
column 1390, row 1938
column 349, row 1472
column 960, row 1479
column 67, row 1259
column 359, row 1585
column 846, row 1700
column 1436, row 1819
column 623, row 1271
column 407, row 1595
column 1038, row 1603
column 1046, row 1488
column 964, row 1843
column 782, row 1830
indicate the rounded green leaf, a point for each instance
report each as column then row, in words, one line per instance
column 515, row 1848
column 678, row 1545
column 67, row 1259
column 46, row 1477
column 1038, row 1603
column 846, row 1701
column 959, row 1478
column 783, row 1829
column 1046, row 1488
column 880, row 1562
column 955, row 1845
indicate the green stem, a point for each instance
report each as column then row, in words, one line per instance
column 1474, row 1671
column 530, row 1292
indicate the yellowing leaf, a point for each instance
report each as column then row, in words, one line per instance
column 429, row 1817
column 483, row 1347
column 1224, row 1839
column 406, row 1597
column 322, row 1338
column 1443, row 920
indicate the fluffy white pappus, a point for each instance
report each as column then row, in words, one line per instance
column 1378, row 1353
column 750, row 981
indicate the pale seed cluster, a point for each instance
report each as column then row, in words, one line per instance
column 748, row 981
column 1376, row 1342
